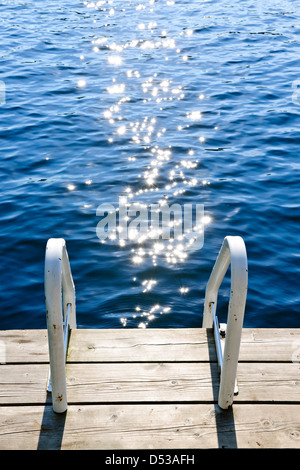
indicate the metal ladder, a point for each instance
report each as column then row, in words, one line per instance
column 61, row 315
column 228, row 337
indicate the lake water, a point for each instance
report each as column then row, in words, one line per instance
column 161, row 102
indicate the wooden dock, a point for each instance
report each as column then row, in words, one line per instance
column 150, row 389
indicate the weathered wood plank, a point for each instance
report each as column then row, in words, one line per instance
column 24, row 384
column 270, row 344
column 171, row 426
column 180, row 382
column 19, row 346
column 123, row 345
column 90, row 383
column 274, row 382
column 106, row 345
column 178, row 345
column 190, row 344
column 141, row 345
column 150, row 382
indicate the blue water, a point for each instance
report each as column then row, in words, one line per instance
column 187, row 101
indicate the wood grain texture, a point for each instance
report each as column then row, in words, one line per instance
column 24, row 346
column 123, row 345
column 141, row 345
column 189, row 426
column 150, row 382
column 143, row 389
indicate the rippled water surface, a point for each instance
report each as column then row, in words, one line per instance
column 161, row 102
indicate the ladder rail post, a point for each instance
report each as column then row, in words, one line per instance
column 61, row 315
column 233, row 251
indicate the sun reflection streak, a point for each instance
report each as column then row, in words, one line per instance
column 134, row 114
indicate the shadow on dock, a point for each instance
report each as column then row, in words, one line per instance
column 52, row 429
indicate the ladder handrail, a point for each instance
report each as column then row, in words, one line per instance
column 61, row 315
column 233, row 251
